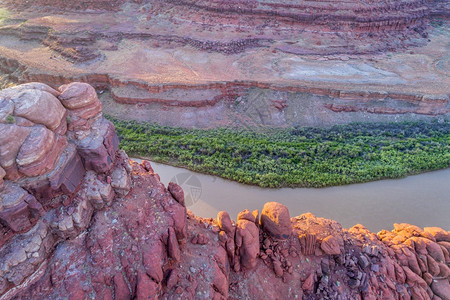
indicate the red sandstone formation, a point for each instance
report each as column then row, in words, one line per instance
column 338, row 16
column 237, row 63
column 79, row 220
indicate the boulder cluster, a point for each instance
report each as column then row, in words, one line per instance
column 59, row 161
column 79, row 220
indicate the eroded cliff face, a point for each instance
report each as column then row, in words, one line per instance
column 238, row 63
column 232, row 27
column 355, row 15
column 79, row 220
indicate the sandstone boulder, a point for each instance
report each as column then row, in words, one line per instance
column 443, row 244
column 36, row 146
column 435, row 251
column 247, row 241
column 120, row 181
column 432, row 266
column 177, row 192
column 147, row 166
column 441, row 288
column 172, row 245
column 413, row 279
column 99, row 193
column 124, row 160
column 65, row 178
column 444, row 271
column 18, row 209
column 227, row 235
column 438, row 233
column 39, row 152
column 308, row 284
column 11, row 139
column 246, row 215
column 330, row 245
column 79, row 95
column 30, row 104
column 178, row 215
column 277, row 269
column 275, row 220
column 98, row 149
column 83, row 106
column 152, row 259
column 308, row 243
column 224, row 221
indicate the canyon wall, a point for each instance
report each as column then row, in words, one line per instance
column 244, row 104
column 349, row 15
column 79, row 220
column 238, row 63
column 298, row 27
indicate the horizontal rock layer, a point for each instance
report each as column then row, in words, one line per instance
column 167, row 61
column 237, row 103
column 355, row 15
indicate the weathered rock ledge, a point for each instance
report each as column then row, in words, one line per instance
column 79, row 220
column 244, row 102
column 284, row 63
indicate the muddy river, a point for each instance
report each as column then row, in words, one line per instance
column 422, row 200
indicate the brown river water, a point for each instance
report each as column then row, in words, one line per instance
column 422, row 200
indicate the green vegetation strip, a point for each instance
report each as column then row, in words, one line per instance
column 296, row 157
column 3, row 15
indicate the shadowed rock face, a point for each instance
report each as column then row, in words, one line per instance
column 96, row 225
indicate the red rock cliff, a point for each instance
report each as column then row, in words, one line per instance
column 79, row 220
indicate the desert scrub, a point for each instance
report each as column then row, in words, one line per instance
column 4, row 13
column 5, row 82
column 296, row 157
column 10, row 119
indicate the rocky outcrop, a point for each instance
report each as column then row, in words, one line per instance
column 276, row 221
column 101, row 226
column 47, row 191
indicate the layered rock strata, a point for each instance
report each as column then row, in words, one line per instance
column 326, row 27
column 247, row 103
column 339, row 62
column 353, row 15
column 79, row 220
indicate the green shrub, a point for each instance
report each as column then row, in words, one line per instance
column 10, row 119
column 305, row 157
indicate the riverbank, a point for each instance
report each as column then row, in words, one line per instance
column 295, row 157
column 377, row 204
